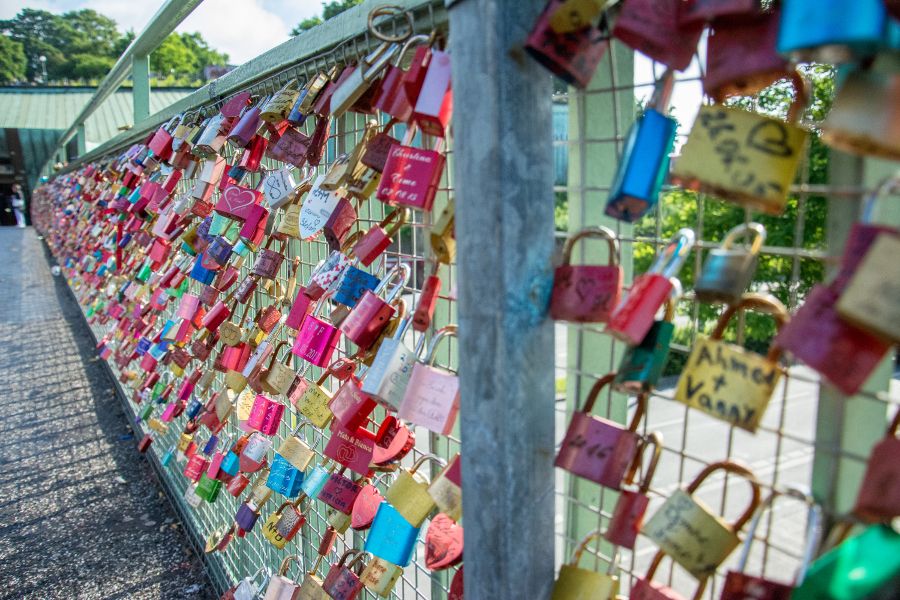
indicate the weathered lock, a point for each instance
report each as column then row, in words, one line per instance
column 634, row 316
column 284, row 478
column 642, row 365
column 352, row 447
column 644, row 164
column 246, row 288
column 342, row 581
column 268, row 261
column 728, row 270
column 431, row 398
column 232, row 333
column 446, row 489
column 725, row 380
column 371, row 314
column 280, row 586
column 441, row 236
column 740, row 586
column 868, row 301
column 689, row 532
column 161, row 142
column 846, row 32
column 379, row 237
column 280, row 375
column 208, row 488
column 409, row 493
column 316, row 339
column 380, row 576
column 340, row 492
column 654, row 28
column 276, row 109
column 587, row 293
column 411, row 175
column 575, row 583
column 573, row 55
column 290, row 147
column 879, row 493
column 353, row 284
column 631, row 505
column 598, row 449
column 313, row 404
column 295, row 450
column 284, row 524
column 744, row 157
column 741, row 58
column 311, row 587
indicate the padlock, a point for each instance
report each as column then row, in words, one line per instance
column 654, row 28
column 434, row 103
column 572, row 56
column 295, row 450
column 145, row 443
column 208, row 488
column 342, row 581
column 575, row 583
column 276, row 109
column 233, row 333
column 392, row 538
column 283, row 524
column 247, row 125
column 253, row 454
column 191, row 497
column 644, row 588
column 279, row 188
column 726, row 381
column 740, row 586
column 280, row 376
column 340, row 492
column 218, row 314
column 409, row 493
column 161, row 142
column 879, row 492
column 291, row 147
column 443, row 543
column 351, row 447
column 431, row 398
column 598, row 449
column 393, row 98
column 196, row 467
column 443, row 244
column 249, row 587
column 379, row 237
column 282, row 587
column 411, row 175
column 741, row 59
column 644, row 164
column 642, row 365
column 284, row 478
column 847, row 31
column 313, row 404
column 367, row 502
column 311, row 587
column 587, row 293
column 237, row 202
column 316, row 479
column 352, row 285
column 446, row 489
column 634, row 316
column 304, row 104
column 380, row 576
column 268, row 261
column 371, row 314
column 319, row 139
column 744, row 157
column 350, row 405
column 691, row 533
column 727, row 270
column 704, row 11
column 864, row 119
column 265, row 416
column 316, row 339
column 868, row 302
column 631, row 505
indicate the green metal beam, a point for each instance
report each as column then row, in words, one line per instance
column 140, row 91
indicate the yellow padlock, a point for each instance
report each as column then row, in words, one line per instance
column 339, row 521
column 446, row 490
column 380, row 576
column 157, row 425
column 313, row 404
column 575, row 583
column 443, row 242
column 289, row 225
column 409, row 493
column 311, row 588
column 691, row 533
column 235, row 381
column 745, row 157
column 725, row 380
column 296, row 451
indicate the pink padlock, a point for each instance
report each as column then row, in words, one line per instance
column 316, row 339
column 265, row 415
column 352, row 448
column 652, row 28
column 254, row 228
column 411, row 175
column 169, row 412
column 236, row 201
column 217, row 314
column 339, row 492
column 302, row 306
column 246, row 127
column 195, row 467
column 188, row 306
column 434, row 106
column 187, row 386
column 350, row 405
column 372, row 314
column 634, row 316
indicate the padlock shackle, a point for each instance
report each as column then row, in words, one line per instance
column 421, row 460
column 600, row 232
column 351, row 240
column 740, row 471
column 347, row 554
column 895, row 425
column 415, row 40
column 582, row 546
column 669, row 262
column 885, row 187
column 341, row 363
column 743, row 231
column 396, row 219
column 598, row 387
column 357, row 563
column 653, row 439
column 447, row 331
column 400, row 270
column 651, row 571
column 390, row 10
column 672, row 301
column 764, row 303
column 296, row 503
column 813, row 529
column 286, row 564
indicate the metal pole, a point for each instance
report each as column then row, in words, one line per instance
column 504, row 226
column 140, row 91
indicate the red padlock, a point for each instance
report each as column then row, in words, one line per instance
column 427, row 303
column 217, row 315
column 372, row 314
column 252, row 156
column 703, row 11
column 352, row 448
column 339, row 223
column 587, row 293
column 268, row 261
column 340, row 492
column 879, row 493
column 317, row 143
column 434, row 104
column 653, row 28
column 376, row 240
column 631, row 506
column 350, row 405
column 342, row 582
column 411, row 175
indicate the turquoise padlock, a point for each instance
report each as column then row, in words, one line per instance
column 643, row 364
column 354, row 283
column 837, row 32
column 315, row 480
column 167, row 457
column 392, row 537
column 284, row 478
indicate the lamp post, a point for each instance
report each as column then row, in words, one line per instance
column 43, row 60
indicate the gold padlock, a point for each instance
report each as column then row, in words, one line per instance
column 289, row 226
column 409, row 493
column 745, row 157
column 311, row 588
column 260, row 492
column 244, row 404
column 270, row 529
column 157, row 425
column 575, row 583
column 279, row 105
column 280, row 376
column 296, row 451
column 184, row 442
column 231, row 334
column 313, row 404
column 443, row 242
column 380, row 576
column 312, row 89
column 689, row 532
column 446, row 490
column 235, row 381
column 338, row 520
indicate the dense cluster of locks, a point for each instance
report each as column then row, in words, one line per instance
column 170, row 224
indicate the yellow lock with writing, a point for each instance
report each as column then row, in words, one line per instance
column 725, row 380
column 184, row 442
column 744, row 157
column 689, row 531
column 296, row 451
column 380, row 576
column 313, row 404
column 289, row 226
column 270, row 527
column 409, row 492
column 312, row 587
column 575, row 583
column 338, row 520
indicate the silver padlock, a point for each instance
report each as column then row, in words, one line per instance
column 729, row 269
column 248, row 588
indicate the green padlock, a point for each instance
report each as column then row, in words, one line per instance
column 144, row 273
column 208, row 488
column 643, row 364
column 146, row 411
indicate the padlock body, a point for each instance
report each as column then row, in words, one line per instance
column 572, row 56
column 431, row 399
column 634, row 316
column 585, row 293
column 627, row 518
column 367, row 320
column 653, row 28
column 409, row 495
column 575, row 583
column 392, row 538
column 284, row 477
column 316, row 341
column 387, row 378
column 411, row 176
column 380, row 576
column 848, row 29
column 597, row 449
column 643, row 364
column 865, row 118
column 879, row 493
column 726, row 275
column 315, row 481
column 339, row 492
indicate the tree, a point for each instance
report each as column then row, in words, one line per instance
column 12, row 61
column 41, row 34
column 329, row 10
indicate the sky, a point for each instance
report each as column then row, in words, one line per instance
column 241, row 28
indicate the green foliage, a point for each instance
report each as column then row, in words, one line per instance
column 84, row 45
column 561, row 212
column 12, row 61
column 329, row 10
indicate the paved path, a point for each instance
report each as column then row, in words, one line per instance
column 80, row 513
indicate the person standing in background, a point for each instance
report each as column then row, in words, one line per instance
column 18, row 204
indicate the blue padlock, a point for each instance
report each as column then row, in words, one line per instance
column 210, row 446
column 200, row 272
column 230, row 464
column 219, row 250
column 284, row 478
column 167, row 457
column 102, row 270
column 835, row 32
column 315, row 480
column 142, row 346
column 124, row 240
column 134, row 196
column 193, row 409
column 353, row 284
column 644, row 164
column 392, row 537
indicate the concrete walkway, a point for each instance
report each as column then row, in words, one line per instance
column 80, row 513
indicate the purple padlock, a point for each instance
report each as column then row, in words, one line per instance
column 246, row 517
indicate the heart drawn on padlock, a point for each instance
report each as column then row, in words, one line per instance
column 443, row 543
column 365, row 506
column 393, row 441
column 236, row 200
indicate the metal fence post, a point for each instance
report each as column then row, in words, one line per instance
column 140, row 75
column 504, row 174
